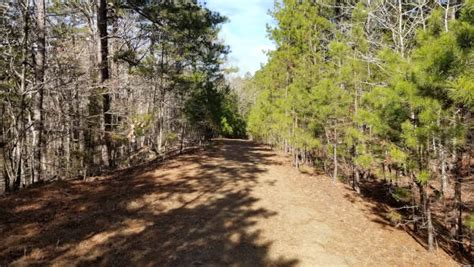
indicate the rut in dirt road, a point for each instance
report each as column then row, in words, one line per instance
column 235, row 204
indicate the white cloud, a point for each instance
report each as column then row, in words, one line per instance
column 245, row 33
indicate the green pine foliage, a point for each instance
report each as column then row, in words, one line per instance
column 342, row 88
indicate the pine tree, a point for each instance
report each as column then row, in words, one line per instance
column 384, row 88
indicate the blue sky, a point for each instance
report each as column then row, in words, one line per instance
column 245, row 32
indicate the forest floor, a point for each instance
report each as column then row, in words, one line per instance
column 233, row 204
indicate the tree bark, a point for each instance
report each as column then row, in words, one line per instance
column 446, row 16
column 3, row 180
column 161, row 124
column 414, row 207
column 400, row 33
column 429, row 222
column 458, row 206
column 334, row 176
column 39, row 144
column 20, row 123
column 183, row 127
column 357, row 180
column 444, row 178
column 104, row 75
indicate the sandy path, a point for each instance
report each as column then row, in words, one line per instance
column 236, row 204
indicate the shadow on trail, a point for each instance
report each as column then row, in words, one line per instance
column 193, row 210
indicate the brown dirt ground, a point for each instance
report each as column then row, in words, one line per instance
column 236, row 204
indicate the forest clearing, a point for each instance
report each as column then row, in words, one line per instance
column 237, row 133
column 235, row 204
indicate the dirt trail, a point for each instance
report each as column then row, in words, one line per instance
column 237, row 204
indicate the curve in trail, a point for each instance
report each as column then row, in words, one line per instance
column 236, row 204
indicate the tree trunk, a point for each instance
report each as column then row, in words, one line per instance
column 39, row 145
column 446, row 16
column 415, row 205
column 458, row 206
column 429, row 222
column 444, row 178
column 3, row 178
column 102, row 62
column 160, row 129
column 20, row 123
column 334, row 176
column 297, row 158
column 183, row 127
column 471, row 244
column 66, row 139
column 161, row 106
column 356, row 185
column 400, row 29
